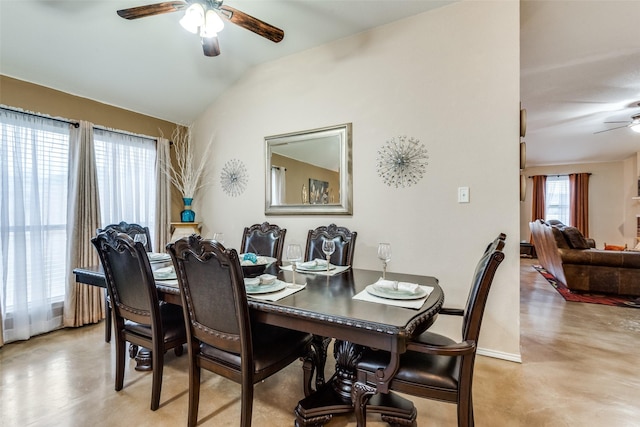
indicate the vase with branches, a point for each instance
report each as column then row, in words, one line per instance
column 186, row 173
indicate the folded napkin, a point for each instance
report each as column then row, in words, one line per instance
column 400, row 286
column 313, row 263
column 158, row 256
column 263, row 279
column 267, row 279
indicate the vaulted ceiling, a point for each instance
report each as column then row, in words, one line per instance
column 580, row 68
column 580, row 60
column 154, row 66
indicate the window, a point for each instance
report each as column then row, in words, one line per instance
column 126, row 178
column 33, row 217
column 557, row 198
column 34, row 175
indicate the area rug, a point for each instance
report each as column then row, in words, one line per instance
column 618, row 301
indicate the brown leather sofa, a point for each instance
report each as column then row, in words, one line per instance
column 564, row 252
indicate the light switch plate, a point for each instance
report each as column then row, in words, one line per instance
column 463, row 194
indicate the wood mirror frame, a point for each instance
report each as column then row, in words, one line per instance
column 318, row 172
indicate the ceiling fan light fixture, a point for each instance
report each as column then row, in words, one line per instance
column 204, row 17
column 194, row 18
column 212, row 24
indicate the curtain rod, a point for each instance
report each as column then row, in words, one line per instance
column 28, row 113
column 566, row 174
column 123, row 132
column 77, row 124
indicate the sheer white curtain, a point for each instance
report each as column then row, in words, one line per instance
column 33, row 188
column 126, row 166
column 277, row 185
column 557, row 200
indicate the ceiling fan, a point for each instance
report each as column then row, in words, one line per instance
column 203, row 17
column 634, row 125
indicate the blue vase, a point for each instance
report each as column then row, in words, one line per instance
column 187, row 215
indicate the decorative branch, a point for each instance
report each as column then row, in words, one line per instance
column 187, row 175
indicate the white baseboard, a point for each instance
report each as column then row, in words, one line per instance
column 511, row 357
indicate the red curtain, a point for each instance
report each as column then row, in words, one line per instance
column 579, row 206
column 537, row 202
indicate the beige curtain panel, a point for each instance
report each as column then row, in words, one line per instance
column 83, row 304
column 163, row 196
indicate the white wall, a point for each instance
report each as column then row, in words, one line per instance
column 608, row 201
column 450, row 78
column 631, row 188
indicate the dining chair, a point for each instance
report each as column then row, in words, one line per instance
column 345, row 243
column 139, row 317
column 435, row 366
column 131, row 230
column 264, row 239
column 221, row 336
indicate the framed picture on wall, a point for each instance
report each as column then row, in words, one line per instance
column 318, row 192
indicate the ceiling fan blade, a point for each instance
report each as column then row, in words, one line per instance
column 607, row 130
column 210, row 46
column 626, row 121
column 152, row 9
column 259, row 27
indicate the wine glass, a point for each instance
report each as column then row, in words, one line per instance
column 219, row 237
column 384, row 254
column 294, row 254
column 328, row 247
column 142, row 238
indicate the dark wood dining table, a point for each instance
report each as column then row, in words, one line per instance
column 326, row 308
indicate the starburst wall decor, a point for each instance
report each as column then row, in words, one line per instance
column 233, row 177
column 402, row 161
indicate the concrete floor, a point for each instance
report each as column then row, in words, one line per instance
column 581, row 367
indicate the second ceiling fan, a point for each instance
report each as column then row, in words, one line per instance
column 203, row 17
column 634, row 125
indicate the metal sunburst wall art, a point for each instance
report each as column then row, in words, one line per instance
column 234, row 177
column 402, row 161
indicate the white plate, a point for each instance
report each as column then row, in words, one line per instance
column 265, row 289
column 315, row 268
column 391, row 294
column 166, row 273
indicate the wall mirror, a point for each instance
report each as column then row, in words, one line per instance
column 309, row 172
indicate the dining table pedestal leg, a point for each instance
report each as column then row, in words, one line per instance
column 334, row 397
column 142, row 356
